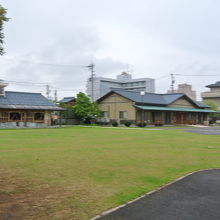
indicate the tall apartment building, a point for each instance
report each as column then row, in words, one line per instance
column 102, row 85
column 186, row 89
column 213, row 95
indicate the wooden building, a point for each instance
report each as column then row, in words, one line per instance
column 177, row 108
column 24, row 109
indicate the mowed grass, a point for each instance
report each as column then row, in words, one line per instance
column 76, row 173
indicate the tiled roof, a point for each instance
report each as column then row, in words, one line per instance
column 202, row 105
column 153, row 98
column 26, row 100
column 149, row 98
column 67, row 99
column 217, row 84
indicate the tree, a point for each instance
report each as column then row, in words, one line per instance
column 85, row 110
column 214, row 107
column 3, row 19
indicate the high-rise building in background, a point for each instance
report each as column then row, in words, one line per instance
column 102, row 85
column 186, row 89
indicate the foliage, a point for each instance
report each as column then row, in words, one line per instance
column 3, row 19
column 114, row 123
column 141, row 124
column 85, row 110
column 128, row 123
column 68, row 113
column 213, row 107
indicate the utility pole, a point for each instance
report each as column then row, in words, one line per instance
column 48, row 91
column 91, row 68
column 55, row 96
column 172, row 82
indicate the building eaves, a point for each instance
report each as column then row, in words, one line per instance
column 217, row 84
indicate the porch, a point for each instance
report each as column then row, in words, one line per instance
column 155, row 115
column 23, row 118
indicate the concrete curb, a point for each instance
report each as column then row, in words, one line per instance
column 148, row 193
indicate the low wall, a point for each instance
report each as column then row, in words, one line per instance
column 22, row 124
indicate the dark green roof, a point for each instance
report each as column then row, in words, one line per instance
column 159, row 108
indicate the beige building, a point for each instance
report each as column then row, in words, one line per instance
column 186, row 89
column 153, row 108
column 213, row 95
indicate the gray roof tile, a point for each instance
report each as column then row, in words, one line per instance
column 150, row 98
column 12, row 99
column 217, row 84
column 153, row 98
column 67, row 99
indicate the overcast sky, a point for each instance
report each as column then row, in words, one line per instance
column 149, row 38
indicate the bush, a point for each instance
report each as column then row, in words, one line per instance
column 115, row 124
column 128, row 123
column 142, row 124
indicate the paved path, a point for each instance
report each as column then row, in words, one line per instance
column 196, row 197
column 209, row 130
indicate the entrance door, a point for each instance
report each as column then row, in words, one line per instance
column 181, row 118
column 167, row 117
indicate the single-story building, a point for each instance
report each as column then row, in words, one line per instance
column 25, row 109
column 175, row 108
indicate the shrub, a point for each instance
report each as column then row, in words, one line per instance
column 115, row 124
column 142, row 124
column 128, row 123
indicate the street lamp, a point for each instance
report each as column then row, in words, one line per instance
column 142, row 93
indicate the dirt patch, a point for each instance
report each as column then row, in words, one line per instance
column 25, row 200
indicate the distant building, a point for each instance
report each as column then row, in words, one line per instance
column 213, row 95
column 124, row 81
column 186, row 89
column 68, row 101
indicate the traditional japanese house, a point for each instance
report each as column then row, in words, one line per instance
column 176, row 108
column 24, row 109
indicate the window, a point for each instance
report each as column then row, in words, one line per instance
column 122, row 115
column 15, row 116
column 104, row 114
column 39, row 116
column 3, row 116
column 190, row 116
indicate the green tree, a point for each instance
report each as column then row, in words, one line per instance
column 3, row 19
column 213, row 107
column 85, row 110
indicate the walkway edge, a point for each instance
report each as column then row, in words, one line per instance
column 148, row 193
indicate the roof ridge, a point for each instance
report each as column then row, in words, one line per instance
column 136, row 91
column 24, row 92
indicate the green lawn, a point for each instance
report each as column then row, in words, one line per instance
column 76, row 173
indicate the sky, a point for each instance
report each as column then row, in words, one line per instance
column 51, row 42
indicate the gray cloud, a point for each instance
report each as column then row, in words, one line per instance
column 157, row 37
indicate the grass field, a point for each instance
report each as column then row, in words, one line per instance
column 76, row 173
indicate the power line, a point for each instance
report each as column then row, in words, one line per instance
column 47, row 64
column 162, row 77
column 176, row 74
